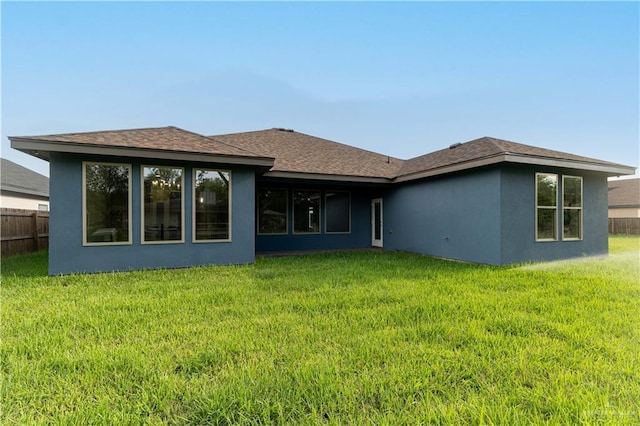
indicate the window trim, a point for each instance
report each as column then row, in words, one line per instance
column 286, row 227
column 326, row 210
column 182, row 191
column 293, row 212
column 538, row 207
column 193, row 206
column 86, row 243
column 580, row 209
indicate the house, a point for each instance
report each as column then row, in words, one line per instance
column 22, row 188
column 166, row 197
column 624, row 198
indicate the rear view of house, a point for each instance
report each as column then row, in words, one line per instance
column 166, row 197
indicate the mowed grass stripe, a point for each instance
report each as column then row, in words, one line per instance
column 333, row 338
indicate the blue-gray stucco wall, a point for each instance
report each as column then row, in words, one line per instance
column 68, row 255
column 455, row 217
column 488, row 216
column 359, row 237
column 518, row 217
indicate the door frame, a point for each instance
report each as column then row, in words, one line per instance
column 376, row 242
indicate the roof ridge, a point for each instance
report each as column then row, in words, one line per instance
column 210, row 138
column 213, row 138
column 291, row 131
column 351, row 146
column 106, row 131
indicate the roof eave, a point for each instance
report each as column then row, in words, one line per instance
column 450, row 169
column 608, row 169
column 326, row 177
column 41, row 149
column 23, row 191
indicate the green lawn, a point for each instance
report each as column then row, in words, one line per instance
column 340, row 338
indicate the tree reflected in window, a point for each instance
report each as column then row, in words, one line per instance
column 212, row 206
column 106, row 203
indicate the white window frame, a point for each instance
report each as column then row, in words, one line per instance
column 293, row 212
column 194, row 201
column 580, row 209
column 182, row 201
column 286, row 227
column 554, row 208
column 326, row 211
column 84, row 206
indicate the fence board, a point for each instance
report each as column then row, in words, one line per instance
column 624, row 225
column 23, row 231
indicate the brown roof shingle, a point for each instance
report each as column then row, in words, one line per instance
column 168, row 138
column 482, row 148
column 293, row 152
column 302, row 153
column 624, row 193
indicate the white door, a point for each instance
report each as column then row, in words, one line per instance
column 376, row 222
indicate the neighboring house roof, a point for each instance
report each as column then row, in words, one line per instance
column 285, row 153
column 160, row 142
column 19, row 179
column 624, row 193
column 300, row 153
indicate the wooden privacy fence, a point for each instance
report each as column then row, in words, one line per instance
column 23, row 231
column 624, row 225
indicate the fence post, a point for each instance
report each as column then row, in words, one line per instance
column 34, row 229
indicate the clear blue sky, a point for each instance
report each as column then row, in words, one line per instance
column 403, row 79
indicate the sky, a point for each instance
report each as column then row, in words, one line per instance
column 402, row 79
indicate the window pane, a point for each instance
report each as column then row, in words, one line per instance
column 272, row 211
column 572, row 226
column 338, row 211
column 572, row 191
column 106, row 203
column 546, row 229
column 306, row 211
column 212, row 204
column 547, row 190
column 572, row 207
column 162, row 204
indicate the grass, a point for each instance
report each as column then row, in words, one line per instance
column 340, row 338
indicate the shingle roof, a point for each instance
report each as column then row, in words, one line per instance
column 16, row 178
column 483, row 148
column 301, row 153
column 624, row 193
column 159, row 138
column 285, row 151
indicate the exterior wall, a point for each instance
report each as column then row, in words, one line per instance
column 623, row 212
column 518, row 217
column 359, row 237
column 67, row 253
column 15, row 201
column 455, row 217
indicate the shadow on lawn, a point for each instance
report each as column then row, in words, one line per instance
column 26, row 265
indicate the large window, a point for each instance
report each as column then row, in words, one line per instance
column 212, row 210
column 272, row 211
column 546, row 207
column 572, row 208
column 162, row 217
column 306, row 212
column 106, row 203
column 337, row 212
